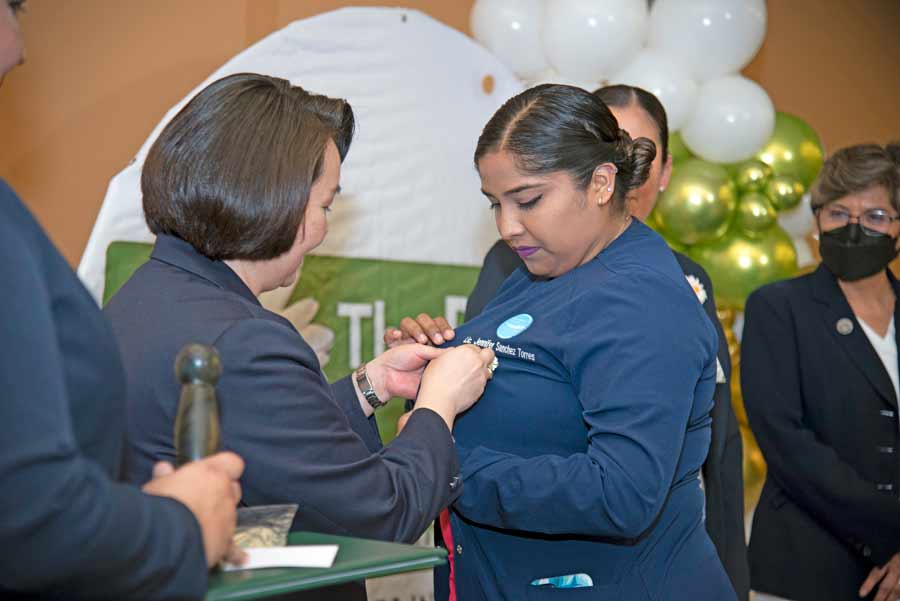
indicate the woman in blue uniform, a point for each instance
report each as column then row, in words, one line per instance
column 580, row 464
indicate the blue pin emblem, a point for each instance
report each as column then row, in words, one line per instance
column 514, row 326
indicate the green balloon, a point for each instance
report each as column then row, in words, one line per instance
column 785, row 192
column 678, row 149
column 794, row 150
column 751, row 176
column 755, row 214
column 699, row 203
column 738, row 264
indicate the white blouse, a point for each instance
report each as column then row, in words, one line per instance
column 886, row 347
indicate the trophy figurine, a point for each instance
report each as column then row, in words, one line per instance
column 198, row 368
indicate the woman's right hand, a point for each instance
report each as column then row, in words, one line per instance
column 424, row 329
column 210, row 489
column 455, row 381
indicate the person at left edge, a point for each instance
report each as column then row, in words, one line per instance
column 68, row 530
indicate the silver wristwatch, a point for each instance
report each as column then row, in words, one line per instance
column 366, row 388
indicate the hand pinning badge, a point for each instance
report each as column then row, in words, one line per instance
column 844, row 326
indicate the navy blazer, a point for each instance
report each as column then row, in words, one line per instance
column 303, row 441
column 723, row 469
column 824, row 412
column 67, row 530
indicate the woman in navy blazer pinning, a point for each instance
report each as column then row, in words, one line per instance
column 237, row 189
column 819, row 377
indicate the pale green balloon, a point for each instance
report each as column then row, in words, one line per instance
column 698, row 204
column 794, row 150
column 739, row 264
column 678, row 149
column 751, row 176
column 755, row 214
column 785, row 192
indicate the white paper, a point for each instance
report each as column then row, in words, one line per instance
column 299, row 556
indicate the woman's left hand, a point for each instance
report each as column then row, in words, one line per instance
column 424, row 329
column 889, row 576
column 398, row 371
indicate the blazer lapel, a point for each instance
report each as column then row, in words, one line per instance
column 843, row 326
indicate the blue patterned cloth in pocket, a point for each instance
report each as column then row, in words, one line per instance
column 567, row 581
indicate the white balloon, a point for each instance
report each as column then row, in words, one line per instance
column 588, row 40
column 511, row 30
column 551, row 76
column 799, row 221
column 732, row 119
column 666, row 77
column 714, row 37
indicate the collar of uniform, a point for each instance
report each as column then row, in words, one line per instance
column 180, row 254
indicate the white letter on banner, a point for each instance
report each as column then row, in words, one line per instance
column 378, row 328
column 356, row 312
column 453, row 306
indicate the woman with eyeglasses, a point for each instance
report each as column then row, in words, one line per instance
column 820, row 384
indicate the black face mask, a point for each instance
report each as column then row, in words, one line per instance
column 853, row 252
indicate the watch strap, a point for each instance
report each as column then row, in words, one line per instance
column 366, row 388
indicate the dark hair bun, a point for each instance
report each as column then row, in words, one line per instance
column 634, row 159
column 893, row 149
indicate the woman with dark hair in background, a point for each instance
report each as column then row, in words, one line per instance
column 68, row 530
column 819, row 377
column 641, row 114
column 581, row 462
column 237, row 189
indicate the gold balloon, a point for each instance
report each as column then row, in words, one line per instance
column 794, row 150
column 738, row 264
column 755, row 214
column 699, row 203
column 785, row 192
column 754, row 466
column 653, row 222
column 752, row 176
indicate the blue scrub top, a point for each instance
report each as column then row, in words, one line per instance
column 582, row 457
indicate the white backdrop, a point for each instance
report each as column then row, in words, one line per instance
column 411, row 192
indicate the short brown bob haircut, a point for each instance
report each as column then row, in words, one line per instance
column 857, row 168
column 231, row 173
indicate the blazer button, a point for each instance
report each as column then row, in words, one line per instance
column 885, row 449
column 866, row 551
column 887, row 487
column 459, row 549
column 454, row 482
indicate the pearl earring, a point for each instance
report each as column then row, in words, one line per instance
column 609, row 189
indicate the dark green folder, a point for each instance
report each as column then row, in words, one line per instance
column 357, row 559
